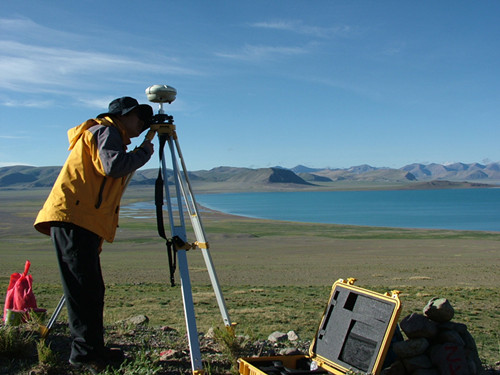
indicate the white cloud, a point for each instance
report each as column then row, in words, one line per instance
column 26, row 103
column 259, row 52
column 35, row 59
column 19, row 29
column 12, row 137
column 36, row 68
column 299, row 28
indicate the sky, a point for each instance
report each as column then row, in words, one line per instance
column 259, row 84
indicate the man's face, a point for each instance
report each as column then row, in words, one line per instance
column 133, row 124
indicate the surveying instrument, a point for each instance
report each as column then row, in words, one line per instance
column 180, row 194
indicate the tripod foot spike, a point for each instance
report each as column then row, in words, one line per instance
column 44, row 331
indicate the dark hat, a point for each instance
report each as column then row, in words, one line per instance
column 122, row 106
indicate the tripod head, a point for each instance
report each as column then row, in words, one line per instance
column 161, row 122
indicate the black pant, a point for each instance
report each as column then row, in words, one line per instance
column 78, row 255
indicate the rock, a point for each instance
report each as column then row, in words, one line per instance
column 137, row 320
column 450, row 359
column 210, row 333
column 292, row 336
column 470, row 344
column 416, row 363
column 290, row 351
column 439, row 310
column 396, row 368
column 167, row 354
column 411, row 347
column 450, row 336
column 417, row 325
column 277, row 337
column 167, row 329
column 425, row 371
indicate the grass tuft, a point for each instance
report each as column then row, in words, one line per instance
column 145, row 362
column 45, row 354
column 15, row 342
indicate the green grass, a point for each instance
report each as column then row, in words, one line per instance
column 274, row 275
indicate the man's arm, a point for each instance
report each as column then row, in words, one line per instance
column 115, row 161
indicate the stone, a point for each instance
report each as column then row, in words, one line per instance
column 277, row 337
column 167, row 329
column 470, row 344
column 411, row 347
column 168, row 354
column 396, row 368
column 450, row 359
column 418, row 362
column 450, row 336
column 416, row 325
column 425, row 371
column 292, row 336
column 210, row 333
column 439, row 310
column 137, row 320
column 290, row 351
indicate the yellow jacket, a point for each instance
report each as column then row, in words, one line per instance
column 89, row 187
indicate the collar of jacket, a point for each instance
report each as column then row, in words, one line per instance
column 106, row 120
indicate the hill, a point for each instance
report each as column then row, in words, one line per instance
column 278, row 178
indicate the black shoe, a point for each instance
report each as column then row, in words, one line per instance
column 95, row 366
column 114, row 355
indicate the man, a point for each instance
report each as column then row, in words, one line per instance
column 82, row 211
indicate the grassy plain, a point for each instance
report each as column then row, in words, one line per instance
column 274, row 275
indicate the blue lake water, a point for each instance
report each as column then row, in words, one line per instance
column 460, row 209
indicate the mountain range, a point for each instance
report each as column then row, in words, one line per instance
column 227, row 178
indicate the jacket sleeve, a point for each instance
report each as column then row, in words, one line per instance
column 115, row 161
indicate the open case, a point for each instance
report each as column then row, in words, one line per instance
column 354, row 335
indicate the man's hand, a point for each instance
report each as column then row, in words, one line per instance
column 147, row 146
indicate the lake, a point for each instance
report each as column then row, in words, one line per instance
column 463, row 209
column 458, row 209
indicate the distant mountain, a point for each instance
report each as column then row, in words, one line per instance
column 30, row 177
column 259, row 176
column 304, row 169
column 455, row 171
column 355, row 174
column 25, row 177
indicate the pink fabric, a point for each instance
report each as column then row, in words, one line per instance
column 20, row 292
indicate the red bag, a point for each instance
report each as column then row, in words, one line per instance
column 20, row 292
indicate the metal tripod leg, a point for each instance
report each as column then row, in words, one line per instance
column 44, row 330
column 189, row 314
column 199, row 232
column 183, row 190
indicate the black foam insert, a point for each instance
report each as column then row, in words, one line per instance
column 353, row 329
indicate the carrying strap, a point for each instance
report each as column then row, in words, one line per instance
column 171, row 248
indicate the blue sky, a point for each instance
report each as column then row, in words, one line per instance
column 260, row 83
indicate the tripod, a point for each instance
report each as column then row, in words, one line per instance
column 181, row 195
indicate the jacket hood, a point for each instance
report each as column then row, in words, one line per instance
column 75, row 133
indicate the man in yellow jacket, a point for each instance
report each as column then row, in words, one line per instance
column 82, row 210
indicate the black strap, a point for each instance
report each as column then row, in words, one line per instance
column 171, row 248
column 172, row 260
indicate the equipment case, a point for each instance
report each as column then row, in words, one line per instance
column 354, row 335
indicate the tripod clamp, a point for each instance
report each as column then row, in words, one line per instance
column 163, row 124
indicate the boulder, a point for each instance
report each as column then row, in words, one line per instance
column 417, row 325
column 277, row 337
column 411, row 347
column 439, row 310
